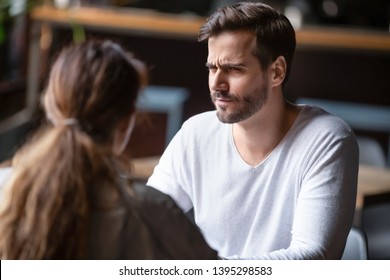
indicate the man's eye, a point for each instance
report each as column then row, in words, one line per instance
column 211, row 68
column 234, row 69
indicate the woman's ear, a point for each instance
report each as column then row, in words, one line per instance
column 279, row 68
column 122, row 134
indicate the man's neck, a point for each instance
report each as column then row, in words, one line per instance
column 256, row 137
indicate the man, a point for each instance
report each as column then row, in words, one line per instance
column 266, row 179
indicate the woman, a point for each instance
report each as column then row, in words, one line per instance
column 67, row 196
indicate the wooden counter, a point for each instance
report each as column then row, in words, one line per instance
column 127, row 20
column 152, row 22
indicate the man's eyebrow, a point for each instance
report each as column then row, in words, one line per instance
column 227, row 65
column 235, row 65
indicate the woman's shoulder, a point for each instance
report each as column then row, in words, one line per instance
column 148, row 194
column 170, row 227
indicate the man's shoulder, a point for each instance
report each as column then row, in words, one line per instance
column 205, row 121
column 318, row 119
column 208, row 116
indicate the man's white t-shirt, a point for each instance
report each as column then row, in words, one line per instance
column 297, row 204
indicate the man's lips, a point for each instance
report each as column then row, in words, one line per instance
column 223, row 102
column 223, row 99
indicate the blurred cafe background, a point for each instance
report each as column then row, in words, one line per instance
column 342, row 63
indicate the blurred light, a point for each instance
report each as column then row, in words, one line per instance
column 61, row 4
column 330, row 8
column 17, row 7
column 295, row 16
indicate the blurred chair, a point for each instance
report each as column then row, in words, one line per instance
column 370, row 152
column 356, row 246
column 375, row 221
column 168, row 100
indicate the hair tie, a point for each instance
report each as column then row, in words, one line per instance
column 69, row 121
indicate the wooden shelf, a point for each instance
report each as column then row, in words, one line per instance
column 146, row 22
column 122, row 19
column 354, row 39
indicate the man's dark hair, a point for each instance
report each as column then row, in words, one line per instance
column 275, row 36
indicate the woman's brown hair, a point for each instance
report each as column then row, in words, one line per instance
column 45, row 214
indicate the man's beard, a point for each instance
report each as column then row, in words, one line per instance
column 250, row 105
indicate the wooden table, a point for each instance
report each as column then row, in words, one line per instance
column 143, row 167
column 371, row 181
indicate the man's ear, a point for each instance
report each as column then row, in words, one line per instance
column 279, row 69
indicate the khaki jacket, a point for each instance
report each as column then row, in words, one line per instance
column 145, row 225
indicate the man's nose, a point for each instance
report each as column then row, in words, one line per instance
column 218, row 81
